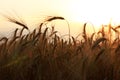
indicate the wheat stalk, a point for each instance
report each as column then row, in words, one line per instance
column 97, row 42
column 44, row 34
column 103, row 32
column 5, row 39
column 99, row 54
column 21, row 39
column 55, row 18
column 59, row 18
column 21, row 31
column 34, row 32
column 13, row 40
column 53, row 33
column 74, row 41
column 16, row 21
column 15, row 33
column 117, row 27
column 84, row 32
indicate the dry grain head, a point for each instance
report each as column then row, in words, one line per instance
column 13, row 20
column 55, row 18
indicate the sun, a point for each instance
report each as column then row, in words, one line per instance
column 82, row 10
column 92, row 11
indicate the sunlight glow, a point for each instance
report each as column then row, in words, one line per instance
column 94, row 11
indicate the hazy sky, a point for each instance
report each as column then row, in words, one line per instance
column 95, row 11
column 72, row 9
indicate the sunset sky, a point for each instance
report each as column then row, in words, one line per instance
column 75, row 11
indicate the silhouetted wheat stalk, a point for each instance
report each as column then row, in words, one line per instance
column 117, row 27
column 97, row 42
column 13, row 20
column 84, row 32
column 59, row 18
column 55, row 18
column 99, row 54
column 21, row 31
column 15, row 33
column 5, row 39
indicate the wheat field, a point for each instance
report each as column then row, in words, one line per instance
column 44, row 55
